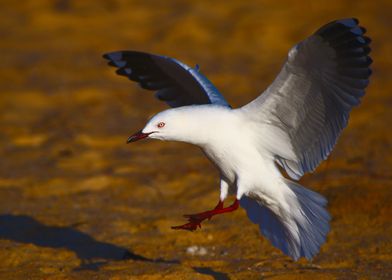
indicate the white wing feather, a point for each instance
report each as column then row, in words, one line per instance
column 310, row 100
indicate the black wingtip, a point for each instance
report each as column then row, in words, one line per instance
column 367, row 39
column 349, row 22
column 109, row 55
column 116, row 55
column 111, row 63
column 370, row 60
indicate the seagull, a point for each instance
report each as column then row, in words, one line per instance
column 293, row 124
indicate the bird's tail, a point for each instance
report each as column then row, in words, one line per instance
column 299, row 229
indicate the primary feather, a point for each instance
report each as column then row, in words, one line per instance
column 176, row 83
column 311, row 98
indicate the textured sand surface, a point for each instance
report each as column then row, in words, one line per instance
column 77, row 203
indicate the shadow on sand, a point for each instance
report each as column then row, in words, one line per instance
column 209, row 271
column 92, row 253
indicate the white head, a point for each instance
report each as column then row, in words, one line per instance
column 178, row 124
column 191, row 124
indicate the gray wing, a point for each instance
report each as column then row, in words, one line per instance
column 308, row 104
column 176, row 83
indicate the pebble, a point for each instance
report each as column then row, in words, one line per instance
column 196, row 250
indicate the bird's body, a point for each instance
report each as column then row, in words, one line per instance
column 295, row 123
column 231, row 143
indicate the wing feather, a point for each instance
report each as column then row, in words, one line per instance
column 176, row 83
column 311, row 98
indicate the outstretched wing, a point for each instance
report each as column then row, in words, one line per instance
column 176, row 83
column 308, row 104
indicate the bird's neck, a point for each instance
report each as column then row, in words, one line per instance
column 207, row 127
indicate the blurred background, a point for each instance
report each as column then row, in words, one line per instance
column 76, row 202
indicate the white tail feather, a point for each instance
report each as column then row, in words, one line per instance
column 302, row 230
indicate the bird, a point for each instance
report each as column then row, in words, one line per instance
column 264, row 147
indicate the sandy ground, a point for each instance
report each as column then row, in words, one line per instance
column 77, row 203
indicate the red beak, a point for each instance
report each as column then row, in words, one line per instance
column 137, row 136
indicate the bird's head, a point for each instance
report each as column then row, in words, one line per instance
column 191, row 124
column 171, row 124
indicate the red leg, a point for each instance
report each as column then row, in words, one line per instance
column 195, row 220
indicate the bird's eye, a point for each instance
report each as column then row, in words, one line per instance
column 161, row 124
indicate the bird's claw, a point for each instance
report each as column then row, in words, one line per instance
column 191, row 226
column 199, row 217
column 194, row 221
